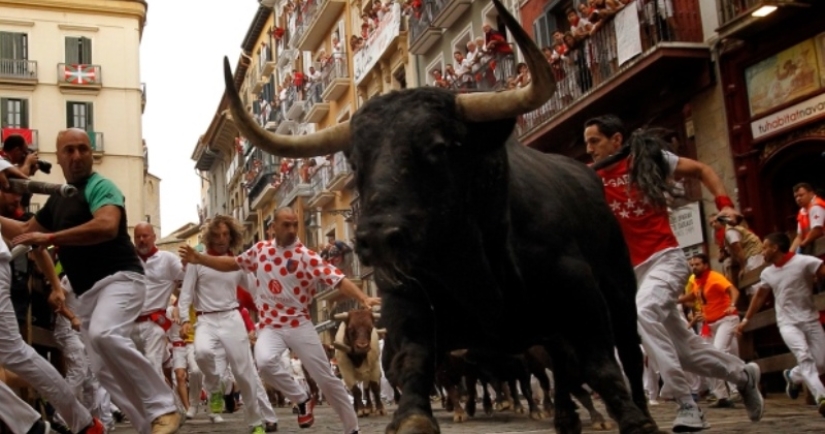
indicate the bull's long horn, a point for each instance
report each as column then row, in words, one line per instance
column 376, row 316
column 381, row 331
column 341, row 316
column 489, row 106
column 342, row 347
column 324, row 142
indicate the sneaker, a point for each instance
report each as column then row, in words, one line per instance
column 119, row 416
column 258, row 430
column 723, row 403
column 751, row 397
column 193, row 410
column 40, row 427
column 271, row 427
column 216, row 402
column 167, row 424
column 96, row 427
column 791, row 388
column 688, row 419
column 653, row 402
column 215, row 418
column 821, row 405
column 305, row 416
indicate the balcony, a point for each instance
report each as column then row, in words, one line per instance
column 423, row 34
column 657, row 68
column 273, row 121
column 291, row 187
column 377, row 43
column 318, row 17
column 294, row 104
column 142, row 97
column 315, row 107
column 489, row 75
column 96, row 139
column 335, row 78
column 251, row 216
column 262, row 188
column 28, row 134
column 286, row 52
column 268, row 68
column 14, row 71
column 342, row 175
column 320, row 195
column 737, row 19
column 257, row 82
column 79, row 76
column 447, row 12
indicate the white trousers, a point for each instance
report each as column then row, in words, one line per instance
column 79, row 375
column 667, row 340
column 16, row 413
column 184, row 358
column 723, row 336
column 226, row 330
column 267, row 412
column 304, row 342
column 807, row 343
column 21, row 359
column 108, row 312
column 150, row 340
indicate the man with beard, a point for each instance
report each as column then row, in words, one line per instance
column 163, row 273
column 287, row 274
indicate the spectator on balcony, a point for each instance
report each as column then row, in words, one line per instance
column 463, row 71
column 450, row 75
column 438, row 79
column 523, row 76
column 335, row 251
column 299, row 81
column 588, row 11
column 580, row 27
column 306, row 169
column 379, row 10
column 486, row 55
column 495, row 42
column 578, row 57
column 315, row 83
column 356, row 43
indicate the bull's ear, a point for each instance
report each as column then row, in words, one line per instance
column 488, row 136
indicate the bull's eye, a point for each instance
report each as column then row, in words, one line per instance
column 437, row 151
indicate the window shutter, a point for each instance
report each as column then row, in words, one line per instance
column 24, row 113
column 72, row 50
column 69, row 115
column 4, row 112
column 86, row 51
column 6, row 45
column 90, row 126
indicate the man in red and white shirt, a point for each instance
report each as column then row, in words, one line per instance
column 220, row 323
column 164, row 272
column 662, row 270
column 810, row 219
column 287, row 275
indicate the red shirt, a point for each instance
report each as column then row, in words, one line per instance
column 646, row 229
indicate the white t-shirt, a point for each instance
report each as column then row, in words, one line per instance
column 792, row 286
column 163, row 271
column 816, row 217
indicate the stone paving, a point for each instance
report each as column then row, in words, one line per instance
column 782, row 417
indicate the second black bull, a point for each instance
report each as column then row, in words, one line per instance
column 480, row 242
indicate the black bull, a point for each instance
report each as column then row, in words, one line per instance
column 479, row 242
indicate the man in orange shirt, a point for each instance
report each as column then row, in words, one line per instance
column 718, row 300
column 811, row 217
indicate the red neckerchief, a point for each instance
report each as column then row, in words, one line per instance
column 785, row 259
column 576, row 21
column 151, row 252
column 211, row 252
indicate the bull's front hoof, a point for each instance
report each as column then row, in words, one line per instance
column 415, row 424
column 602, row 426
column 488, row 410
column 380, row 411
column 518, row 410
column 460, row 417
column 568, row 423
column 362, row 412
column 503, row 405
column 538, row 415
column 470, row 407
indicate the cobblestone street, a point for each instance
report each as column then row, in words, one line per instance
column 782, row 417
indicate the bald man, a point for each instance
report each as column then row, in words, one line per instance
column 107, row 276
column 164, row 272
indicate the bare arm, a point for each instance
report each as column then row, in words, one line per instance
column 14, row 228
column 44, row 262
column 221, row 263
column 756, row 303
column 687, row 298
column 734, row 297
column 350, row 290
column 701, row 171
column 812, row 236
column 101, row 228
column 738, row 254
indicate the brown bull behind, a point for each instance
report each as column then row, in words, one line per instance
column 358, row 355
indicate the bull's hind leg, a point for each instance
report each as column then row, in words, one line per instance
column 409, row 358
column 592, row 344
column 375, row 388
column 596, row 419
column 566, row 420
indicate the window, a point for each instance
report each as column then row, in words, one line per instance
column 78, row 50
column 15, row 113
column 553, row 18
column 79, row 115
column 14, row 46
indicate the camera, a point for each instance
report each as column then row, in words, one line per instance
column 44, row 166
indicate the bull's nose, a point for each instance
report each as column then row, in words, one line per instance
column 362, row 345
column 371, row 241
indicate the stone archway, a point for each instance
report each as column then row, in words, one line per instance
column 783, row 166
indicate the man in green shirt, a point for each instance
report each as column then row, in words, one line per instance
column 106, row 274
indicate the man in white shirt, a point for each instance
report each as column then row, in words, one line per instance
column 791, row 278
column 214, row 295
column 163, row 274
column 287, row 274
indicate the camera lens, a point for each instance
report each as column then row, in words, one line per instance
column 44, row 166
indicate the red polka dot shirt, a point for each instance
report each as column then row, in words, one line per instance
column 285, row 281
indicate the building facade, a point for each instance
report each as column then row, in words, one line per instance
column 76, row 64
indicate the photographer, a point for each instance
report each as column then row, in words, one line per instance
column 17, row 152
column 744, row 247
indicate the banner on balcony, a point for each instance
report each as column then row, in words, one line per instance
column 80, row 74
column 377, row 42
column 686, row 223
column 813, row 108
column 26, row 133
column 628, row 38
